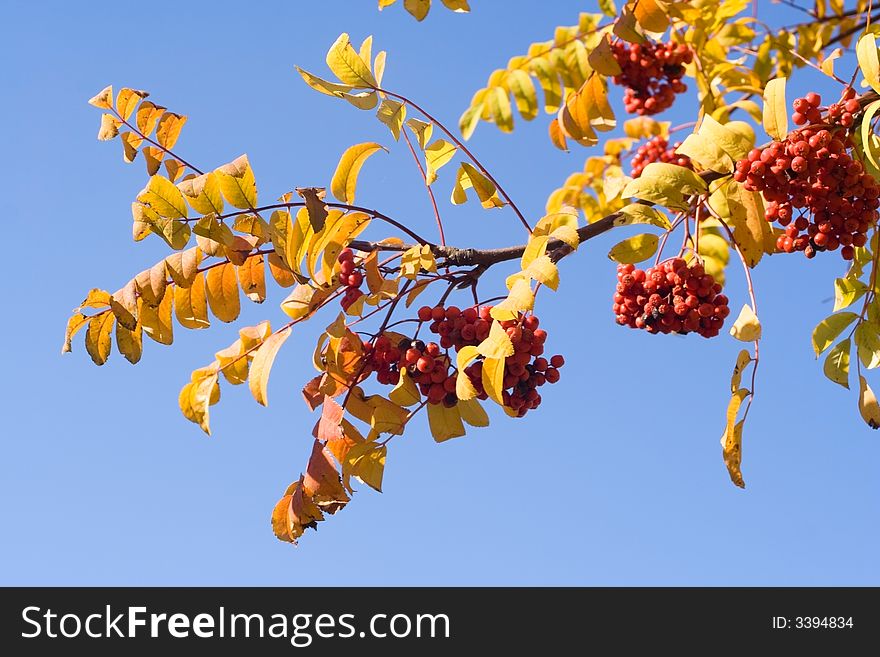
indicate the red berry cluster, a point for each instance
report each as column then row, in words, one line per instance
column 350, row 277
column 670, row 298
column 430, row 365
column 651, row 73
column 814, row 186
column 658, row 150
column 457, row 327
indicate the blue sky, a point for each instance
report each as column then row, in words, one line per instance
column 616, row 480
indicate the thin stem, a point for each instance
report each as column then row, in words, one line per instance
column 156, row 144
column 427, row 186
column 343, row 206
column 754, row 301
column 465, row 150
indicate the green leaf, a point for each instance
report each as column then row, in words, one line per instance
column 829, row 328
column 344, row 179
column 775, row 109
column 836, row 365
column 634, row 249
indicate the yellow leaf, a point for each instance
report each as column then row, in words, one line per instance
column 544, row 271
column 366, row 462
column 468, row 177
column 184, row 266
column 151, row 284
column 747, row 217
column 214, row 229
column 418, row 8
column 445, row 422
column 847, row 291
column 196, row 396
column 344, row 181
column 706, row 153
column 473, row 412
column 497, row 344
column 157, row 321
column 130, row 144
column 650, row 15
column 232, row 363
column 867, row 337
column 535, row 248
column 147, row 116
column 252, row 277
column 519, row 299
column 828, row 63
column 634, row 249
column 98, row 337
column 498, row 103
column 869, row 63
column 567, row 234
column 458, row 6
column 130, row 342
column 76, row 322
column 868, row 406
column 405, row 393
column 602, row 58
column 735, row 138
column 191, row 304
column 237, row 183
column 325, row 87
column 422, row 130
column 103, row 99
column 829, row 328
column 464, row 389
column 365, row 101
column 123, row 303
column 437, row 154
column 262, row 364
column 742, row 361
column 392, row 113
column 836, row 365
column 164, row 197
column 493, row 379
column 222, row 289
column 127, row 100
column 109, row 127
column 746, row 327
column 731, row 443
column 169, row 128
column 523, row 90
column 775, row 109
column 348, row 66
column 203, row 193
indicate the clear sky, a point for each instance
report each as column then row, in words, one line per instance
column 616, row 480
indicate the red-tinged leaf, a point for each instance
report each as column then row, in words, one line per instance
column 328, row 428
column 322, row 481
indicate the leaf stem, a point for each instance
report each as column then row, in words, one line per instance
column 465, row 150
